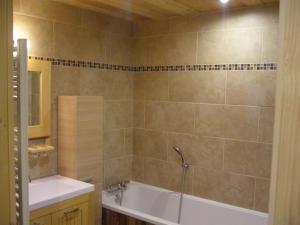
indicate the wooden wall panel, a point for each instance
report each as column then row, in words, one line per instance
column 7, row 211
column 285, row 187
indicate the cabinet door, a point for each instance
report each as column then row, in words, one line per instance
column 76, row 215
column 45, row 220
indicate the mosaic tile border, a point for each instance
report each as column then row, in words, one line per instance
column 201, row 67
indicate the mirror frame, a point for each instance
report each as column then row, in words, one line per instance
column 44, row 128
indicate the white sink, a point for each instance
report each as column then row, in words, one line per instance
column 50, row 190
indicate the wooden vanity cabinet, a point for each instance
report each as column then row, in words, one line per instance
column 75, row 211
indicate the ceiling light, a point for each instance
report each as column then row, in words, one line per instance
column 224, row 1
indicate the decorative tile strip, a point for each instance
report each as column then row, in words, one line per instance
column 159, row 68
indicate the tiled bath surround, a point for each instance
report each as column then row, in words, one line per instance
column 222, row 118
column 205, row 83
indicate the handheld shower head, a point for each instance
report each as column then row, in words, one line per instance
column 179, row 152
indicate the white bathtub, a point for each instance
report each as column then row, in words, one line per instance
column 160, row 206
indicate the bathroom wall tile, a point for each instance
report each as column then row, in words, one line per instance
column 128, row 141
column 263, row 16
column 114, row 144
column 251, row 88
column 198, row 86
column 38, row 32
column 262, row 188
column 169, row 116
column 199, row 151
column 91, row 82
column 52, row 10
column 211, row 47
column 248, row 158
column 237, row 122
column 112, row 85
column 117, row 114
column 116, row 170
column 119, row 50
column 118, row 85
column 67, row 41
column 65, row 81
column 93, row 20
column 166, row 174
column 139, row 114
column 270, row 50
column 138, row 168
column 173, row 49
column 266, row 124
column 150, row 28
column 93, row 45
column 151, row 86
column 243, row 50
column 141, row 51
column 150, row 143
column 200, row 22
column 224, row 187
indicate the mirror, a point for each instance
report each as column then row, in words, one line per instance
column 39, row 99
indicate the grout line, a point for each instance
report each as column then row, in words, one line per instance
column 254, row 194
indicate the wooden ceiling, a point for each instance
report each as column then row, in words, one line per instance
column 157, row 9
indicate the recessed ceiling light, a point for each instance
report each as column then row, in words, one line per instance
column 224, row 1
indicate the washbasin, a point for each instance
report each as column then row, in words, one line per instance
column 50, row 190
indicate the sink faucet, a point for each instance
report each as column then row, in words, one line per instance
column 184, row 163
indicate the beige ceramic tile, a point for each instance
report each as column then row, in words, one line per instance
column 166, row 174
column 93, row 20
column 211, row 47
column 128, row 141
column 262, row 188
column 151, row 86
column 112, row 85
column 199, row 151
column 253, row 17
column 237, row 122
column 94, row 45
column 266, row 124
column 139, row 114
column 116, row 170
column 138, row 168
column 113, row 144
column 201, row 22
column 243, row 50
column 67, row 41
column 270, row 49
column 248, row 158
column 119, row 50
column 91, row 82
column 117, row 114
column 251, row 88
column 65, row 81
column 150, row 143
column 141, row 50
column 52, row 10
column 173, row 49
column 150, row 28
column 169, row 116
column 39, row 34
column 224, row 187
column 198, row 86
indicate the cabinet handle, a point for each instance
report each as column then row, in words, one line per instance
column 70, row 211
column 35, row 223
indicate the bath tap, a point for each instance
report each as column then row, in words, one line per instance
column 184, row 163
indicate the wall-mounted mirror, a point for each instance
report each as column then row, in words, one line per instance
column 39, row 99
